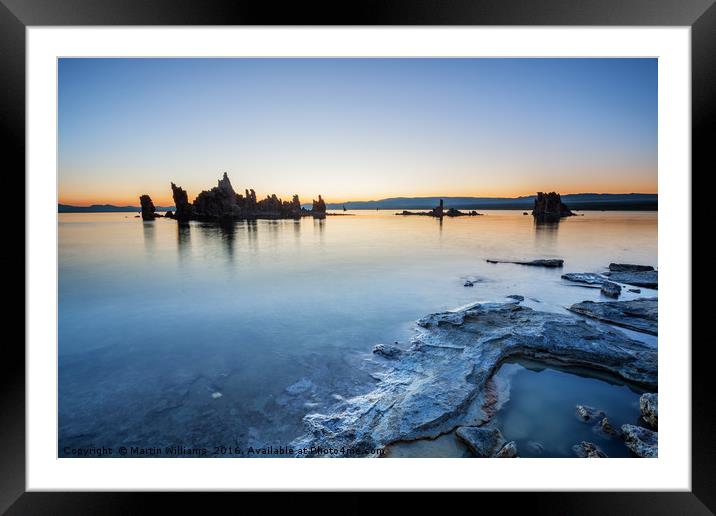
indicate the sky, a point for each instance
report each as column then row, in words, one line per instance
column 355, row 129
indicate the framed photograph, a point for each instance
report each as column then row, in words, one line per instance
column 292, row 251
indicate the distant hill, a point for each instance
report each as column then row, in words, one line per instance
column 105, row 208
column 582, row 201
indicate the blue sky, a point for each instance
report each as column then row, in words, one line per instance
column 356, row 129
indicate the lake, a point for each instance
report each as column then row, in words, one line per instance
column 225, row 337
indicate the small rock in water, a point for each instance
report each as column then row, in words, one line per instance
column 469, row 283
column 642, row 441
column 587, row 413
column 587, row 450
column 216, row 395
column 629, row 267
column 611, row 289
column 483, row 442
column 646, row 279
column 508, row 451
column 549, row 262
column 606, row 427
column 387, row 350
column 590, row 278
column 636, row 314
column 649, row 407
column 299, row 387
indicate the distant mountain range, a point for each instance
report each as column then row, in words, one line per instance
column 104, row 208
column 582, row 201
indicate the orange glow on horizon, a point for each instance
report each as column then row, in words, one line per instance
column 163, row 200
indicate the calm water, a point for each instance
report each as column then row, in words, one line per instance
column 203, row 336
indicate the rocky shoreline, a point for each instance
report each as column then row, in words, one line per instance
column 441, row 383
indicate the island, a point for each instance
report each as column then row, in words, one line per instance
column 439, row 212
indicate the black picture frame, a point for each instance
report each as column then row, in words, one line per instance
column 16, row 15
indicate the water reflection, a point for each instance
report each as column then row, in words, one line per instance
column 227, row 231
column 319, row 225
column 183, row 240
column 148, row 231
column 251, row 233
column 546, row 234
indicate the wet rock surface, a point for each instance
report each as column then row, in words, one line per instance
column 387, row 350
column 590, row 278
column 611, row 289
column 649, row 408
column 508, row 451
column 586, row 413
column 440, row 383
column 646, row 279
column 588, row 450
column 628, row 267
column 483, row 442
column 641, row 441
column 548, row 262
column 637, row 314
column 606, row 428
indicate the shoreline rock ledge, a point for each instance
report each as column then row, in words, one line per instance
column 441, row 382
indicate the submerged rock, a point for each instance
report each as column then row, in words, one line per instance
column 646, row 279
column 301, row 386
column 586, row 413
column 549, row 207
column 440, row 382
column 636, row 314
column 508, row 451
column 483, row 442
column 589, row 278
column 642, row 441
column 611, row 289
column 387, row 350
column 148, row 208
column 628, row 267
column 468, row 283
column 649, row 408
column 548, row 262
column 588, row 450
column 605, row 427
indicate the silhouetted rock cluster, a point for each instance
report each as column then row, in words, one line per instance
column 148, row 209
column 439, row 212
column 222, row 203
column 549, row 207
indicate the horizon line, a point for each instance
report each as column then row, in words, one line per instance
column 85, row 204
